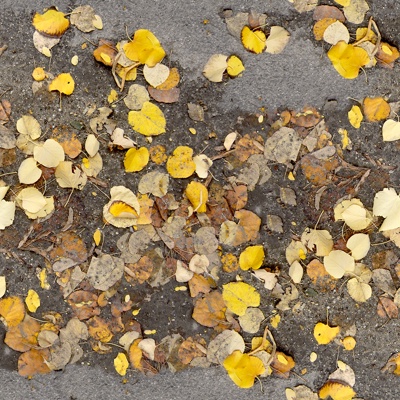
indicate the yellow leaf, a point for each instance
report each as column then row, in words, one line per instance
column 64, row 83
column 112, row 96
column 235, row 66
column 344, row 3
column 336, row 391
column 275, row 320
column 324, row 334
column 32, row 301
column 135, row 355
column 149, row 121
column 144, row 48
column 42, row 275
column 136, row 159
column 121, row 364
column 122, row 210
column 51, row 23
column 348, row 59
column 39, row 74
column 97, row 236
column 197, row 194
column 180, row 164
column 243, row 369
column 346, row 142
column 12, row 309
column 375, row 109
column 349, row 343
column 240, row 295
column 252, row 257
column 355, row 116
column 253, row 41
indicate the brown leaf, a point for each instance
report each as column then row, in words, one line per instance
column 99, row 329
column 84, row 304
column 199, row 284
column 23, row 336
column 105, row 52
column 321, row 12
column 7, row 157
column 386, row 308
column 139, row 272
column 320, row 277
column 318, row 171
column 69, row 245
column 164, row 96
column 191, row 348
column 282, row 364
column 210, row 310
column 308, row 117
column 32, row 362
column 247, row 146
column 68, row 139
column 5, row 111
column 249, row 226
column 237, row 197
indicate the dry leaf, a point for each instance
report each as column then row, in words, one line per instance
column 51, row 23
column 149, row 121
column 324, row 334
column 240, row 295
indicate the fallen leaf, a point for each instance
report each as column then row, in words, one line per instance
column 33, row 362
column 337, row 391
column 243, row 369
column 337, row 263
column 296, row 272
column 28, row 171
column 70, row 176
column 252, row 257
column 251, row 320
column 12, row 310
column 393, row 364
column 253, row 41
column 50, row 154
column 348, row 59
column 277, row 40
column 355, row 116
column 215, row 67
column 353, row 213
column 240, row 295
column 209, row 310
column 144, row 48
column 105, row 271
column 180, row 164
column 136, row 159
column 157, row 75
column 358, row 290
column 234, row 66
column 63, row 83
column 336, row 32
column 223, row 345
column 84, row 18
column 391, row 130
column 320, row 27
column 154, row 182
column 99, row 329
column 7, row 213
column 197, row 194
column 149, row 121
column 51, row 23
column 32, row 301
column 28, row 125
column 324, row 334
column 3, row 286
column 319, row 241
column 359, row 244
column 387, row 205
column 375, row 109
column 121, row 363
column 355, row 11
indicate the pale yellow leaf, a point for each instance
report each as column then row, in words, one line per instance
column 337, row 263
column 50, row 154
column 28, row 171
column 215, row 67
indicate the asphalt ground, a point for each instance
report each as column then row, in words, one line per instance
column 301, row 75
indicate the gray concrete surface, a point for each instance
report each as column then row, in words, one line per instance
column 301, row 75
